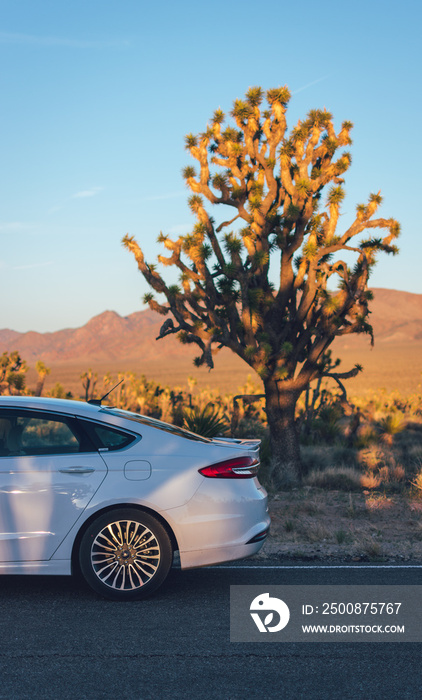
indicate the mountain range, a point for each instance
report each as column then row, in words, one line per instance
column 396, row 318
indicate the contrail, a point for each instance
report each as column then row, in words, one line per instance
column 314, row 82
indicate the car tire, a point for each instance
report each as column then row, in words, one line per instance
column 125, row 554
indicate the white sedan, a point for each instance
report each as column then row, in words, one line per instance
column 115, row 494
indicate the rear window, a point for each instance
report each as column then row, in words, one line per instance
column 154, row 423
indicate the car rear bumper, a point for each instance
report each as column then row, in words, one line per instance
column 222, row 522
column 207, row 557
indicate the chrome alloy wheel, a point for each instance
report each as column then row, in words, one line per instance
column 125, row 555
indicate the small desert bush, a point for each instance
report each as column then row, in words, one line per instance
column 370, row 480
column 326, row 427
column 59, row 392
column 392, row 473
column 310, row 506
column 208, row 422
column 370, row 458
column 289, row 525
column 417, row 482
column 316, row 457
column 365, row 436
column 339, row 478
column 345, row 456
column 390, row 425
column 371, row 548
column 342, row 537
column 314, row 532
column 251, row 428
column 381, row 469
column 378, row 501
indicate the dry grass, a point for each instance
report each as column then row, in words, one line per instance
column 359, row 526
column 344, row 478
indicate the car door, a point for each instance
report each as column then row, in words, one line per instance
column 49, row 472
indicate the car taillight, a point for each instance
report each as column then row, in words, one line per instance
column 236, row 468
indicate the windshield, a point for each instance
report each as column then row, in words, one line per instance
column 154, row 423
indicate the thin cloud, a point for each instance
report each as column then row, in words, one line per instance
column 83, row 194
column 33, row 266
column 87, row 193
column 15, row 226
column 308, row 85
column 169, row 195
column 33, row 40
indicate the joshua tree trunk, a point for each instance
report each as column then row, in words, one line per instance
column 284, row 437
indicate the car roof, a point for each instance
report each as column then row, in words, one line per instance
column 49, row 404
column 83, row 409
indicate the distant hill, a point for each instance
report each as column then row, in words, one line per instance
column 106, row 337
column 396, row 318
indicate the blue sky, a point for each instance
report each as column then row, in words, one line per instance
column 97, row 98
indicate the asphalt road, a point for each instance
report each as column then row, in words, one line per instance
column 59, row 640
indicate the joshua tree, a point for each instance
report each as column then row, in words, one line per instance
column 12, row 373
column 258, row 282
column 89, row 381
column 42, row 372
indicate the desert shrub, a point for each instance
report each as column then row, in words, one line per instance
column 390, row 425
column 314, row 532
column 340, row 478
column 326, row 427
column 342, row 536
column 59, row 392
column 323, row 425
column 370, row 480
column 417, row 482
column 371, row 458
column 365, row 436
column 371, row 548
column 381, row 469
column 345, row 456
column 289, row 525
column 318, row 457
column 208, row 421
column 251, row 428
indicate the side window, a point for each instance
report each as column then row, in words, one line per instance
column 7, row 439
column 41, row 436
column 110, row 438
column 29, row 433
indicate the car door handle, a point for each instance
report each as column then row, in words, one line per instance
column 77, row 470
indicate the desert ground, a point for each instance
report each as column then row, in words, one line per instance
column 386, row 366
